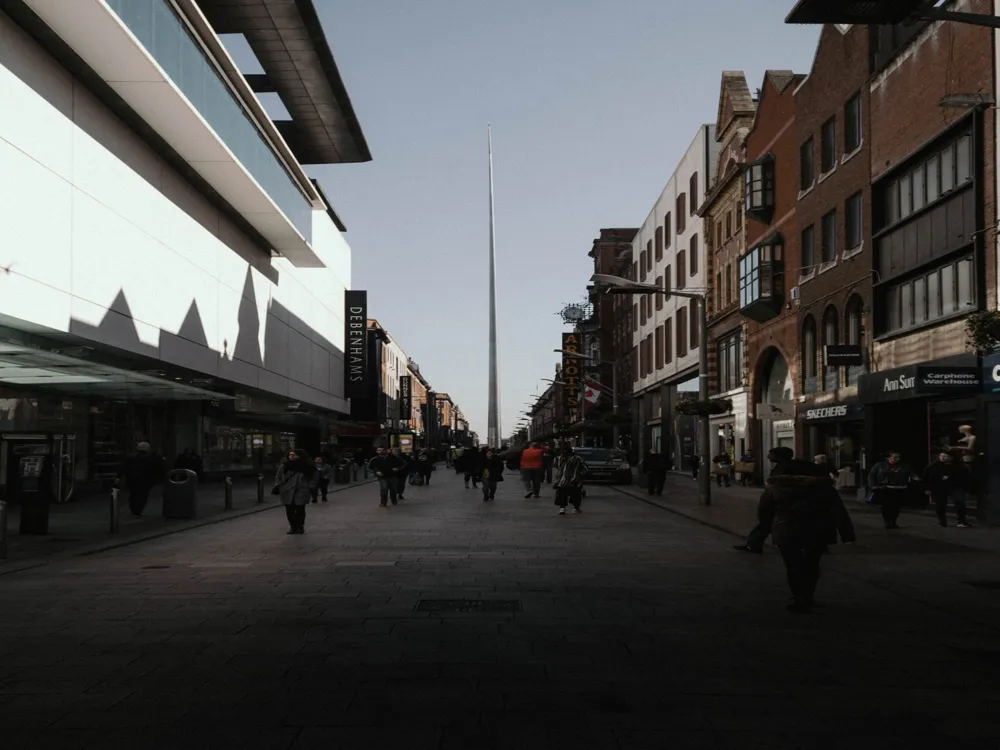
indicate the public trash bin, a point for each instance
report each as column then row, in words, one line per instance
column 180, row 494
column 342, row 474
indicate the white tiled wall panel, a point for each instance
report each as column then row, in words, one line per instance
column 99, row 237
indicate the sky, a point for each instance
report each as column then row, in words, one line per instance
column 592, row 103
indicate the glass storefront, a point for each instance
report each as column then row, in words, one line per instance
column 232, row 447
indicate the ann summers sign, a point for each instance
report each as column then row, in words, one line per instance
column 917, row 380
column 356, row 371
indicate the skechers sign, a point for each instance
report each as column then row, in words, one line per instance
column 356, row 344
column 833, row 412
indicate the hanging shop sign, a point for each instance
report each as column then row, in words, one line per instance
column 356, row 371
column 917, row 380
column 405, row 398
column 571, row 375
column 843, row 355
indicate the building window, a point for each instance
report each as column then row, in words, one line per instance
column 659, row 244
column 635, row 317
column 695, row 320
column 642, row 266
column 852, row 124
column 718, row 290
column 808, row 244
column 649, row 254
column 828, row 146
column 809, row 356
column 668, row 341
column 659, row 297
column 681, row 213
column 739, row 218
column 681, row 270
column 693, row 257
column 761, row 280
column 854, row 334
column 718, row 235
column 729, row 224
column 667, row 227
column 693, row 190
column 829, row 238
column 729, row 363
column 682, row 326
column 659, row 348
column 852, row 221
column 948, row 290
column 831, row 336
column 729, row 283
column 806, row 165
column 666, row 278
column 758, row 183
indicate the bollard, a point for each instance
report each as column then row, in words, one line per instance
column 229, row 493
column 116, row 520
column 3, row 529
column 260, row 488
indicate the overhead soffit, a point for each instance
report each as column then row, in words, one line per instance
column 876, row 12
column 288, row 40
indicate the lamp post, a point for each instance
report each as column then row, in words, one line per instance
column 618, row 285
column 614, row 388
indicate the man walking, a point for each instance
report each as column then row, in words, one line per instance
column 781, row 458
column 947, row 479
column 532, row 469
column 569, row 481
column 548, row 461
column 141, row 472
column 654, row 466
column 385, row 467
column 403, row 472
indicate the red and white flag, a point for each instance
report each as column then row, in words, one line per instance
column 591, row 393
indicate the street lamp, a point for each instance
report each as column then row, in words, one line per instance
column 883, row 13
column 614, row 388
column 618, row 285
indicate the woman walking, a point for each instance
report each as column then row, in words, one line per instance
column 492, row 472
column 295, row 482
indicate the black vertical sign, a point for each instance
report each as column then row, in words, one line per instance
column 405, row 398
column 571, row 377
column 356, row 366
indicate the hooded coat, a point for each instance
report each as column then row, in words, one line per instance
column 805, row 506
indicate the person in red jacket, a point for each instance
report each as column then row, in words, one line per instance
column 532, row 469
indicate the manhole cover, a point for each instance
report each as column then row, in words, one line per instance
column 469, row 605
column 155, row 567
column 63, row 540
column 988, row 585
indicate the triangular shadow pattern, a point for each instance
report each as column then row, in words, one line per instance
column 247, row 346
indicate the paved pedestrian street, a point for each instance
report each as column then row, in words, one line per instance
column 446, row 622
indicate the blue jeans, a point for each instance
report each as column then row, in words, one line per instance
column 387, row 488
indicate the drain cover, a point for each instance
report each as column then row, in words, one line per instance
column 155, row 567
column 469, row 605
column 988, row 585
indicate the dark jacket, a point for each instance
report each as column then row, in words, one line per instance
column 654, row 463
column 941, row 478
column 295, row 481
column 388, row 465
column 494, row 466
column 884, row 474
column 143, row 470
column 423, row 465
column 805, row 506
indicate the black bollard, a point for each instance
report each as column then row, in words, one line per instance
column 260, row 488
column 116, row 521
column 229, row 493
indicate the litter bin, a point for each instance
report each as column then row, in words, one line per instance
column 180, row 494
column 342, row 474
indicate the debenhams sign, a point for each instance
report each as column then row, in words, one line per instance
column 356, row 374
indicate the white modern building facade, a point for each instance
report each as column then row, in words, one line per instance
column 668, row 251
column 168, row 271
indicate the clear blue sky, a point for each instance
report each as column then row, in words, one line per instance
column 592, row 104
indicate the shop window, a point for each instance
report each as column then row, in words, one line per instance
column 693, row 256
column 828, row 146
column 807, row 166
column 761, row 280
column 831, row 375
column 758, row 194
column 943, row 292
column 852, row 124
column 852, row 222
column 809, row 356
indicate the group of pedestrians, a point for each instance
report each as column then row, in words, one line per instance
column 394, row 470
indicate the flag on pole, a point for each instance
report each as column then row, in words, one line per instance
column 591, row 393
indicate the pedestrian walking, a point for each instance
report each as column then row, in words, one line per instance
column 385, row 467
column 695, row 463
column 532, row 469
column 821, row 460
column 569, row 481
column 746, row 477
column 491, row 473
column 654, row 467
column 947, row 479
column 324, row 472
column 403, row 472
column 808, row 516
column 141, row 472
column 889, row 484
column 722, row 467
column 295, row 483
column 423, row 467
column 548, row 461
column 780, row 458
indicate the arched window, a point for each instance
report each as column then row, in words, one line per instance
column 809, row 356
column 854, row 334
column 831, row 336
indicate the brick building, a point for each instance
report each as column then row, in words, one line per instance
column 722, row 211
column 770, row 197
column 933, row 219
column 612, row 254
column 833, row 214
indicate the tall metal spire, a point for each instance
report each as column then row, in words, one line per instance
column 493, row 432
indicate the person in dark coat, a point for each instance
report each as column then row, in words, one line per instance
column 141, row 472
column 295, row 483
column 808, row 514
column 491, row 472
column 423, row 467
column 890, row 481
column 386, row 468
column 780, row 458
column 654, row 466
column 947, row 478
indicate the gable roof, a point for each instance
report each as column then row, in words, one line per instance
column 779, row 80
column 735, row 101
